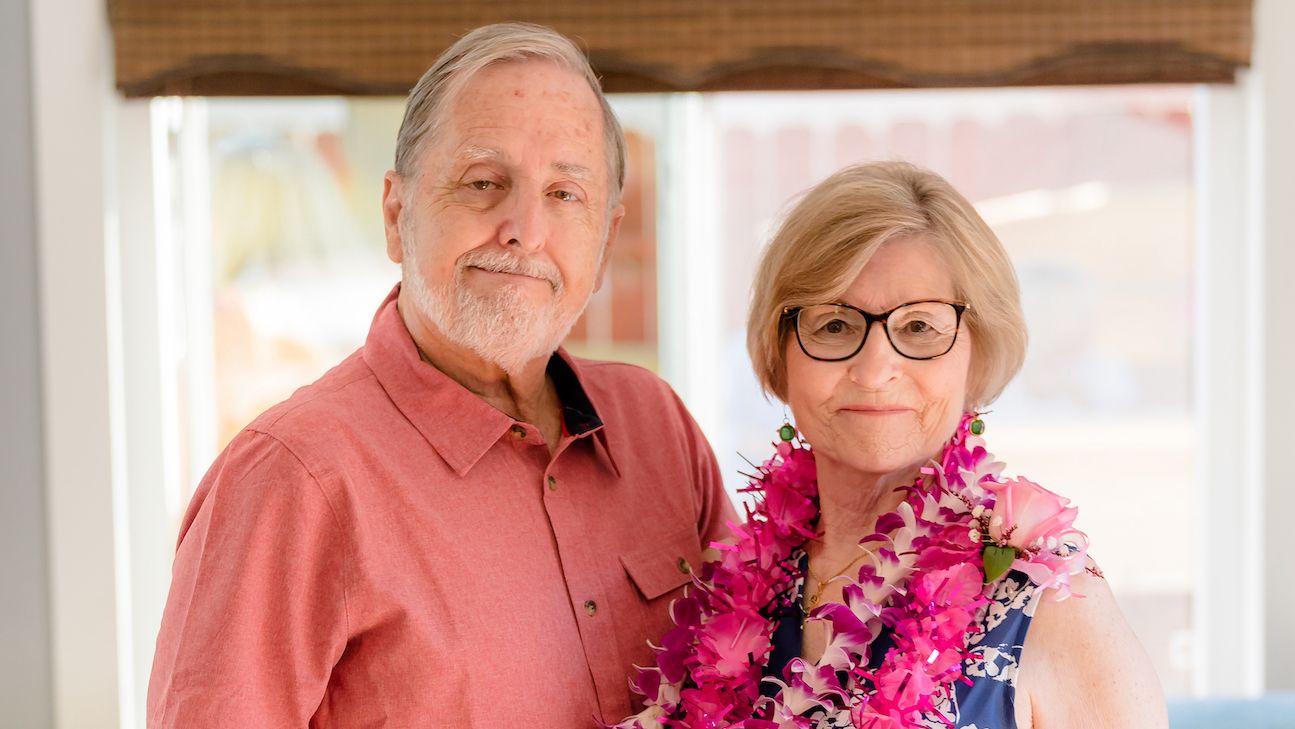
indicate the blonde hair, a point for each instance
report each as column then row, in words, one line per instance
column 485, row 46
column 834, row 230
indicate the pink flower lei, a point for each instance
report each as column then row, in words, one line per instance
column 933, row 562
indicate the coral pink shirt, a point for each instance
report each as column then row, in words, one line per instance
column 384, row 549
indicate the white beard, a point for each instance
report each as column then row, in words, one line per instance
column 501, row 327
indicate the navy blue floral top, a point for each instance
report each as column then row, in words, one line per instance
column 988, row 702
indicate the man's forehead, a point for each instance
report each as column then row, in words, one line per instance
column 524, row 73
column 504, row 110
column 505, row 87
column 470, row 153
column 476, row 153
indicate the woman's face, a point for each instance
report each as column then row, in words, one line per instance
column 879, row 413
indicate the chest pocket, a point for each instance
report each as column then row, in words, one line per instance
column 665, row 565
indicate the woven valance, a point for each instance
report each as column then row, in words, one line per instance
column 358, row 47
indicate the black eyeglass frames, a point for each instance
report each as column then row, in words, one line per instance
column 917, row 330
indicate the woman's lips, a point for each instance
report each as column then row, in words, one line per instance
column 878, row 410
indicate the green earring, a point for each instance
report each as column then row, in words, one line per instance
column 788, row 431
column 977, row 426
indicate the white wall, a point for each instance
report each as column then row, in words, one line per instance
column 1274, row 64
column 71, row 74
column 25, row 699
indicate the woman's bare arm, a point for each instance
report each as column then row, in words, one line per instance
column 1083, row 668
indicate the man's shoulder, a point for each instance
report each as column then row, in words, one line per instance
column 615, row 372
column 337, row 397
column 296, row 442
column 624, row 392
column 618, row 381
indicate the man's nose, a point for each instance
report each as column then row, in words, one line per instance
column 525, row 221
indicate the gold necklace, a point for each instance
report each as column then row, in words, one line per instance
column 822, row 584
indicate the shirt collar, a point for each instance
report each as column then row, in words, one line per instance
column 579, row 413
column 460, row 426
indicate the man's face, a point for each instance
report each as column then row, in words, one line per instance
column 500, row 234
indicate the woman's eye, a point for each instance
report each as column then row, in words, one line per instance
column 481, row 184
column 917, row 326
column 836, row 326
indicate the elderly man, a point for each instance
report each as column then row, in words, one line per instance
column 460, row 525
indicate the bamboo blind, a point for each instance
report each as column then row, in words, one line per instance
column 223, row 47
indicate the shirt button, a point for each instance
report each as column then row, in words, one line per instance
column 683, row 566
column 553, row 484
column 591, row 607
column 518, row 431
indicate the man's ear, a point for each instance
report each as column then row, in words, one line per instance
column 613, row 228
column 393, row 206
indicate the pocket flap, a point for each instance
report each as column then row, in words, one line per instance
column 665, row 565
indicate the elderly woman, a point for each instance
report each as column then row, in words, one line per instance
column 889, row 575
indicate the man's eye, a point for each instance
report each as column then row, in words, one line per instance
column 564, row 195
column 481, row 184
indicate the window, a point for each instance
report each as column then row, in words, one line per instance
column 281, row 263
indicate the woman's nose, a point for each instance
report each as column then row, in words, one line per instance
column 877, row 364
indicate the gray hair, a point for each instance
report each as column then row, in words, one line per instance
column 487, row 45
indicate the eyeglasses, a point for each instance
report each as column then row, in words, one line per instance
column 916, row 330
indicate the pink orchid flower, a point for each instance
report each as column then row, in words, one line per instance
column 729, row 644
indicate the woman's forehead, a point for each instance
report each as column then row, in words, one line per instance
column 902, row 270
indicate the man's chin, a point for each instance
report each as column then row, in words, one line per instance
column 512, row 351
column 500, row 324
column 507, row 336
column 533, row 299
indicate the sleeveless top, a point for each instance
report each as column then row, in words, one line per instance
column 988, row 702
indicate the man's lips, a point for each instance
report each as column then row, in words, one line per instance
column 510, row 273
column 503, row 273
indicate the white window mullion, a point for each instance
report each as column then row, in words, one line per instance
column 1229, row 594
column 1272, row 155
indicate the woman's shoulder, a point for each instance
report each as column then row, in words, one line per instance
column 1081, row 659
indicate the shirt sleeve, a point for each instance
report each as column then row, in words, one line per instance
column 717, row 512
column 714, row 508
column 256, row 616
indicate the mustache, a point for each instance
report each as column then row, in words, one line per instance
column 505, row 262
